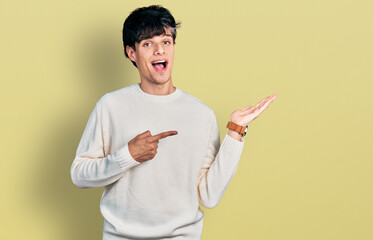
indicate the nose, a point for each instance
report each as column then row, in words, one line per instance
column 159, row 49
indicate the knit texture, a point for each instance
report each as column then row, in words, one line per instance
column 158, row 198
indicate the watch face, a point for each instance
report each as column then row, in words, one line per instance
column 245, row 131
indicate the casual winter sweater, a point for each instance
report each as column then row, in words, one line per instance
column 158, row 198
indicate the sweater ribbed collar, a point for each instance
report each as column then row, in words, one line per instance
column 157, row 98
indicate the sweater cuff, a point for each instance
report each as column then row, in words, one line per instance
column 125, row 159
column 232, row 145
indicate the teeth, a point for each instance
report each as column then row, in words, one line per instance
column 159, row 62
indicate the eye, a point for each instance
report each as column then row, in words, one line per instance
column 167, row 42
column 147, row 44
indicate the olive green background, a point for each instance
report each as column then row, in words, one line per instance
column 306, row 167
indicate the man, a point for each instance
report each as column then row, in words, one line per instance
column 155, row 148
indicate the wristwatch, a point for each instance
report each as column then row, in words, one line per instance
column 237, row 128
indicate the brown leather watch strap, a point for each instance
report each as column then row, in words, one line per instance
column 235, row 127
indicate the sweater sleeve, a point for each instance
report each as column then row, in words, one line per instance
column 218, row 167
column 91, row 166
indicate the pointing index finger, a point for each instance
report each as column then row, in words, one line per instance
column 162, row 135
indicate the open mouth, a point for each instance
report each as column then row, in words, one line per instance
column 160, row 66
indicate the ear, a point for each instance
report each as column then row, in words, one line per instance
column 131, row 53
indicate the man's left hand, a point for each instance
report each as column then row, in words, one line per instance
column 247, row 114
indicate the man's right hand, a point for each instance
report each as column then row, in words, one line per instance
column 144, row 146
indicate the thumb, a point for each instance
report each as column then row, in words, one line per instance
column 145, row 134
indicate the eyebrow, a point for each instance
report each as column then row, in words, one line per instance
column 163, row 35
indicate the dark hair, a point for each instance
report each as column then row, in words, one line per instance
column 147, row 22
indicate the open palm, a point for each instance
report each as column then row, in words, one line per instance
column 247, row 114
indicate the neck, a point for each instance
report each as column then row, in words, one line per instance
column 157, row 88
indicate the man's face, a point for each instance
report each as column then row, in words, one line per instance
column 154, row 58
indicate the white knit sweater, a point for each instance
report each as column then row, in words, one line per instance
column 158, row 198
